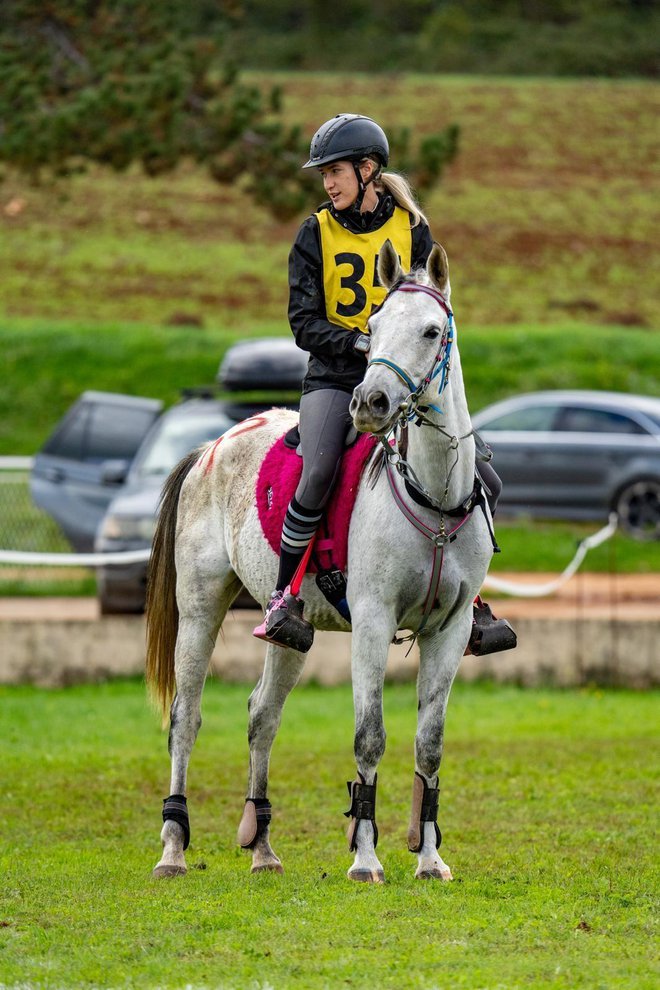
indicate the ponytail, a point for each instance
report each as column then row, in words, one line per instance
column 399, row 188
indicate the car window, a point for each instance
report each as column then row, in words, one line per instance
column 654, row 419
column 574, row 419
column 69, row 440
column 525, row 418
column 96, row 431
column 176, row 437
column 115, row 432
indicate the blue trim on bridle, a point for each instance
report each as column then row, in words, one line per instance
column 399, row 372
column 441, row 362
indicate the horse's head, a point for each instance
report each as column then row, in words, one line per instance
column 410, row 337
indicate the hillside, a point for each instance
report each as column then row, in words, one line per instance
column 548, row 213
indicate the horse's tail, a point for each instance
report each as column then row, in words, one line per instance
column 162, row 609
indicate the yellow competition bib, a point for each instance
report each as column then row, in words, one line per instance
column 350, row 261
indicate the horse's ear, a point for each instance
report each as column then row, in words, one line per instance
column 389, row 268
column 438, row 268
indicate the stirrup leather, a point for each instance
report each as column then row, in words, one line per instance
column 363, row 808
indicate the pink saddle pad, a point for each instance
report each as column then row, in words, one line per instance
column 278, row 479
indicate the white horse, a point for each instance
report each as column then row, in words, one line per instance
column 410, row 566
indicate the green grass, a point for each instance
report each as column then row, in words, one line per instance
column 547, row 811
column 537, row 545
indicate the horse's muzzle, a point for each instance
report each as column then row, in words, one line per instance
column 371, row 409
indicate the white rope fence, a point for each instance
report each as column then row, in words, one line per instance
column 141, row 556
column 549, row 588
column 74, row 559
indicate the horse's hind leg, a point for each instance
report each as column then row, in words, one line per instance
column 203, row 603
column 439, row 660
column 281, row 672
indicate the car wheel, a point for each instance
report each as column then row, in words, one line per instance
column 108, row 607
column 638, row 509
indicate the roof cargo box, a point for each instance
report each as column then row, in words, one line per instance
column 273, row 363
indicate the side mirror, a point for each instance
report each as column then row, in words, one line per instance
column 114, row 472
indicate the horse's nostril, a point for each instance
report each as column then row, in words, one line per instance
column 379, row 404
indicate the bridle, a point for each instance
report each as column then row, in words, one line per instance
column 392, row 460
column 410, row 408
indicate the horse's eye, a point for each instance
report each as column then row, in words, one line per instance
column 431, row 333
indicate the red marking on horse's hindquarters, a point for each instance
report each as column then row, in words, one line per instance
column 249, row 424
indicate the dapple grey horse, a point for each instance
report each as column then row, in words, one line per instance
column 420, row 542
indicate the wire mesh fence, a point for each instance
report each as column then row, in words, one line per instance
column 23, row 526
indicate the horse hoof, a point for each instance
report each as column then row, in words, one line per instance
column 434, row 874
column 268, row 868
column 163, row 870
column 366, row 876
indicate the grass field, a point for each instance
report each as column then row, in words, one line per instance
column 547, row 810
column 549, row 212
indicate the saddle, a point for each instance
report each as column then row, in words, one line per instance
column 276, row 484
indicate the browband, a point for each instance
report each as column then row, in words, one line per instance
column 434, row 293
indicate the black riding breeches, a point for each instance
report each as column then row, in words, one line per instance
column 324, row 423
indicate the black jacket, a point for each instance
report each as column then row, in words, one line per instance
column 333, row 362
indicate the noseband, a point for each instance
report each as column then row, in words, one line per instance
column 441, row 362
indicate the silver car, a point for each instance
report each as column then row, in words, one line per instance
column 578, row 455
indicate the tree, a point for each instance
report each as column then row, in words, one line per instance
column 117, row 82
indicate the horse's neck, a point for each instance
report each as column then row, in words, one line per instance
column 432, row 454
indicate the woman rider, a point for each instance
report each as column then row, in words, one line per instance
column 332, row 291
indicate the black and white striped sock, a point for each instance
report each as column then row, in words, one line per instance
column 299, row 527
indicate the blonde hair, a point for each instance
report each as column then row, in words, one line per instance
column 400, row 190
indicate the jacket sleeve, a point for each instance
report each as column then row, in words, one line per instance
column 422, row 244
column 313, row 332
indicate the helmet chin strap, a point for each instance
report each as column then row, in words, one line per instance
column 362, row 185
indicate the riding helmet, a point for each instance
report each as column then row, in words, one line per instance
column 348, row 137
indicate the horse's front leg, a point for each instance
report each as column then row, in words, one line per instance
column 281, row 672
column 371, row 638
column 440, row 655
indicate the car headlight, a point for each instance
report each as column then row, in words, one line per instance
column 128, row 528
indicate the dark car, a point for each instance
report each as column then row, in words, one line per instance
column 578, row 455
column 85, row 460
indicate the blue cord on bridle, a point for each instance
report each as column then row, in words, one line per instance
column 441, row 362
